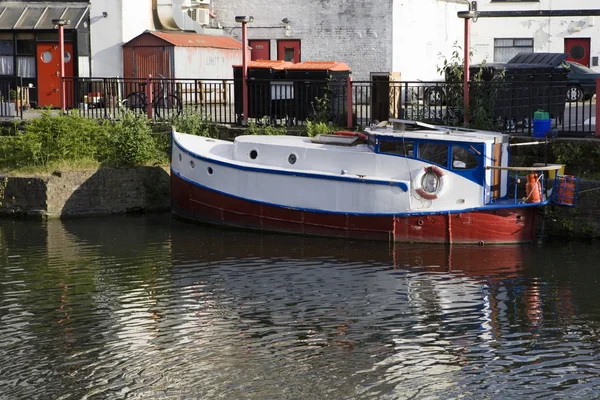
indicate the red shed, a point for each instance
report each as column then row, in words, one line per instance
column 181, row 55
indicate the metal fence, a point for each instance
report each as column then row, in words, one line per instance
column 14, row 97
column 507, row 106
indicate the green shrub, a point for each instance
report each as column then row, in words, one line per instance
column 265, row 129
column 53, row 138
column 131, row 141
column 317, row 128
column 195, row 124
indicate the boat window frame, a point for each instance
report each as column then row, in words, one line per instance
column 470, row 150
column 476, row 174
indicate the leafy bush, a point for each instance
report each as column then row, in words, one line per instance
column 482, row 95
column 195, row 124
column 318, row 128
column 53, row 138
column 264, row 129
column 70, row 139
column 131, row 142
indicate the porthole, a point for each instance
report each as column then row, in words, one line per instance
column 67, row 56
column 209, row 170
column 292, row 159
column 179, row 157
column 253, row 154
column 192, row 164
column 46, row 56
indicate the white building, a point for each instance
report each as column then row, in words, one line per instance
column 499, row 39
column 381, row 36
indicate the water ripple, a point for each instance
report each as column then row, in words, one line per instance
column 150, row 307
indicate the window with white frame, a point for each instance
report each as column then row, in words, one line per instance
column 505, row 49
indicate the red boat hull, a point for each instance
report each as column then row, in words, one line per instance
column 514, row 225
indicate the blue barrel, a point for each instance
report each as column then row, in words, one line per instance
column 541, row 127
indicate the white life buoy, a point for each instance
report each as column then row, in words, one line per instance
column 430, row 183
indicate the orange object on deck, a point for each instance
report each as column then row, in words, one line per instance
column 565, row 190
column 533, row 189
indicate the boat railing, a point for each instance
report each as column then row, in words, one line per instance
column 564, row 187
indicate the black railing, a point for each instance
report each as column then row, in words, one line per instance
column 507, row 106
column 14, row 97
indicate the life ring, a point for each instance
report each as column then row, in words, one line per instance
column 430, row 183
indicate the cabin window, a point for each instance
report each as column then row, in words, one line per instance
column 398, row 147
column 371, row 141
column 463, row 158
column 434, row 152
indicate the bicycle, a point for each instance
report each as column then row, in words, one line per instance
column 162, row 101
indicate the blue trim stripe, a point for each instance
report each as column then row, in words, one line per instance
column 405, row 214
column 342, row 178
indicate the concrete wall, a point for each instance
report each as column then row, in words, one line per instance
column 124, row 20
column 548, row 33
column 79, row 193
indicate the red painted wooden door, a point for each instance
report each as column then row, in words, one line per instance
column 288, row 50
column 261, row 49
column 48, row 73
column 578, row 50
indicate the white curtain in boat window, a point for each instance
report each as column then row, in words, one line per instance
column 6, row 65
column 505, row 49
column 26, row 67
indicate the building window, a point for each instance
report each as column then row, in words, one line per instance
column 26, row 67
column 6, row 57
column 505, row 49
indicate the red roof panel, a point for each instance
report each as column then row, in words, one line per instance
column 188, row 39
column 279, row 65
column 320, row 65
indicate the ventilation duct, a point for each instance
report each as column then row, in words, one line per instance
column 177, row 15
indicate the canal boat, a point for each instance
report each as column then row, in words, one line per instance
column 400, row 181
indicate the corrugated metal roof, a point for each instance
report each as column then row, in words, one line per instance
column 29, row 16
column 188, row 39
column 278, row 65
column 320, row 65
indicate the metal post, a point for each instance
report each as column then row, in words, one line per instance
column 597, row 131
column 244, row 20
column 61, row 43
column 149, row 96
column 61, row 40
column 466, row 74
column 245, row 73
column 349, row 102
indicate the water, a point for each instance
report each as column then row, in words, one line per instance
column 153, row 307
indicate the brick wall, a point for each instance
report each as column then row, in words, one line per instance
column 356, row 32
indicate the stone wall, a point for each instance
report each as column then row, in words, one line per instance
column 84, row 193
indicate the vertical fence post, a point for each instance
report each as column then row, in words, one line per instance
column 349, row 102
column 149, row 96
column 466, row 72
column 597, row 124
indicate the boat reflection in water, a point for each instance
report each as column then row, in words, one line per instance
column 422, row 312
column 150, row 303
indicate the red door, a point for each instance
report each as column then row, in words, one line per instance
column 578, row 50
column 261, row 49
column 48, row 73
column 288, row 50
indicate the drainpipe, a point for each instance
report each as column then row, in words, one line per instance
column 244, row 20
column 467, row 16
